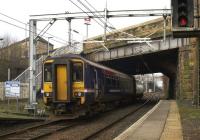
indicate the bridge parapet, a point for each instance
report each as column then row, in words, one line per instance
column 152, row 29
column 138, row 49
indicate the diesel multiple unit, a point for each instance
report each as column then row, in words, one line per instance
column 73, row 84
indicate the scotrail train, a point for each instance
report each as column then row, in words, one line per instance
column 75, row 85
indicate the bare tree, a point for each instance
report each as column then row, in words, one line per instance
column 7, row 40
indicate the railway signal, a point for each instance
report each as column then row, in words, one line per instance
column 183, row 19
column 182, row 13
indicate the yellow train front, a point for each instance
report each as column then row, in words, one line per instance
column 74, row 85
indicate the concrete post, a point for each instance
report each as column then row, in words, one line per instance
column 8, row 74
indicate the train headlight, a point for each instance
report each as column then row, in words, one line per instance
column 42, row 91
column 47, row 94
column 79, row 94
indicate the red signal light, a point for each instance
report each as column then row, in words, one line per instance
column 183, row 21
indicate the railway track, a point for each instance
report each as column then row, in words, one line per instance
column 54, row 127
column 95, row 134
column 38, row 131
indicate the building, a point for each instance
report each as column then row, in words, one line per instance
column 16, row 57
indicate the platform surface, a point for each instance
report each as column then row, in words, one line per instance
column 162, row 122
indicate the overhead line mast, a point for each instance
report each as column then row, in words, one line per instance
column 110, row 14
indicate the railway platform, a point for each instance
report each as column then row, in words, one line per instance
column 161, row 122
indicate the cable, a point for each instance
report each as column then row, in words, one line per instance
column 28, row 24
column 99, row 17
column 64, row 41
column 13, row 18
column 28, row 30
column 85, row 13
column 141, row 54
column 31, row 31
column 111, row 26
column 13, row 25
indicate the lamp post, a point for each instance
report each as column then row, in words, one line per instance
column 87, row 23
column 77, row 32
column 48, row 45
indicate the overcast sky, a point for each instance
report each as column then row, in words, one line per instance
column 21, row 9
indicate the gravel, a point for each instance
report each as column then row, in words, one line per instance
column 9, row 127
column 94, row 124
column 190, row 120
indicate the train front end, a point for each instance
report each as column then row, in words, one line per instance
column 63, row 85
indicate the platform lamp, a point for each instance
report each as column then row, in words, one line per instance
column 87, row 23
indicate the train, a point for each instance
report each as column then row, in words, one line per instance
column 74, row 85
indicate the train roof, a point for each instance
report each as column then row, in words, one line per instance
column 91, row 63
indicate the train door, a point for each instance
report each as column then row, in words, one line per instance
column 61, row 82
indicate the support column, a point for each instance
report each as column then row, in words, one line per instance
column 105, row 24
column 32, row 59
column 154, row 83
column 69, row 33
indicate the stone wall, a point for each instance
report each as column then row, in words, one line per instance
column 16, row 57
column 186, row 77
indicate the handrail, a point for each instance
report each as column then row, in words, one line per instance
column 59, row 51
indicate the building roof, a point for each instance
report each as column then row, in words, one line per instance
column 27, row 39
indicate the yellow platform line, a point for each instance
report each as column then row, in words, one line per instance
column 173, row 128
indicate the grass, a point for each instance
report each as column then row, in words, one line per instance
column 190, row 120
column 187, row 111
column 11, row 106
column 11, row 110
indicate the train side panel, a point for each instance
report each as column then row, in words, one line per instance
column 106, row 86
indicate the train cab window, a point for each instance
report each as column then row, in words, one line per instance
column 47, row 73
column 77, row 72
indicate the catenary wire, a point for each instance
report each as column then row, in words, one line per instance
column 28, row 30
column 28, row 24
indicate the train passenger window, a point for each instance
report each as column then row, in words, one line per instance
column 47, row 73
column 77, row 71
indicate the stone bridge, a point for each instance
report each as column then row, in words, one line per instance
column 177, row 58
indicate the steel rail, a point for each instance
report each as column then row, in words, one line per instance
column 117, row 121
column 51, row 126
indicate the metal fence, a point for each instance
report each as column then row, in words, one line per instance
column 25, row 75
